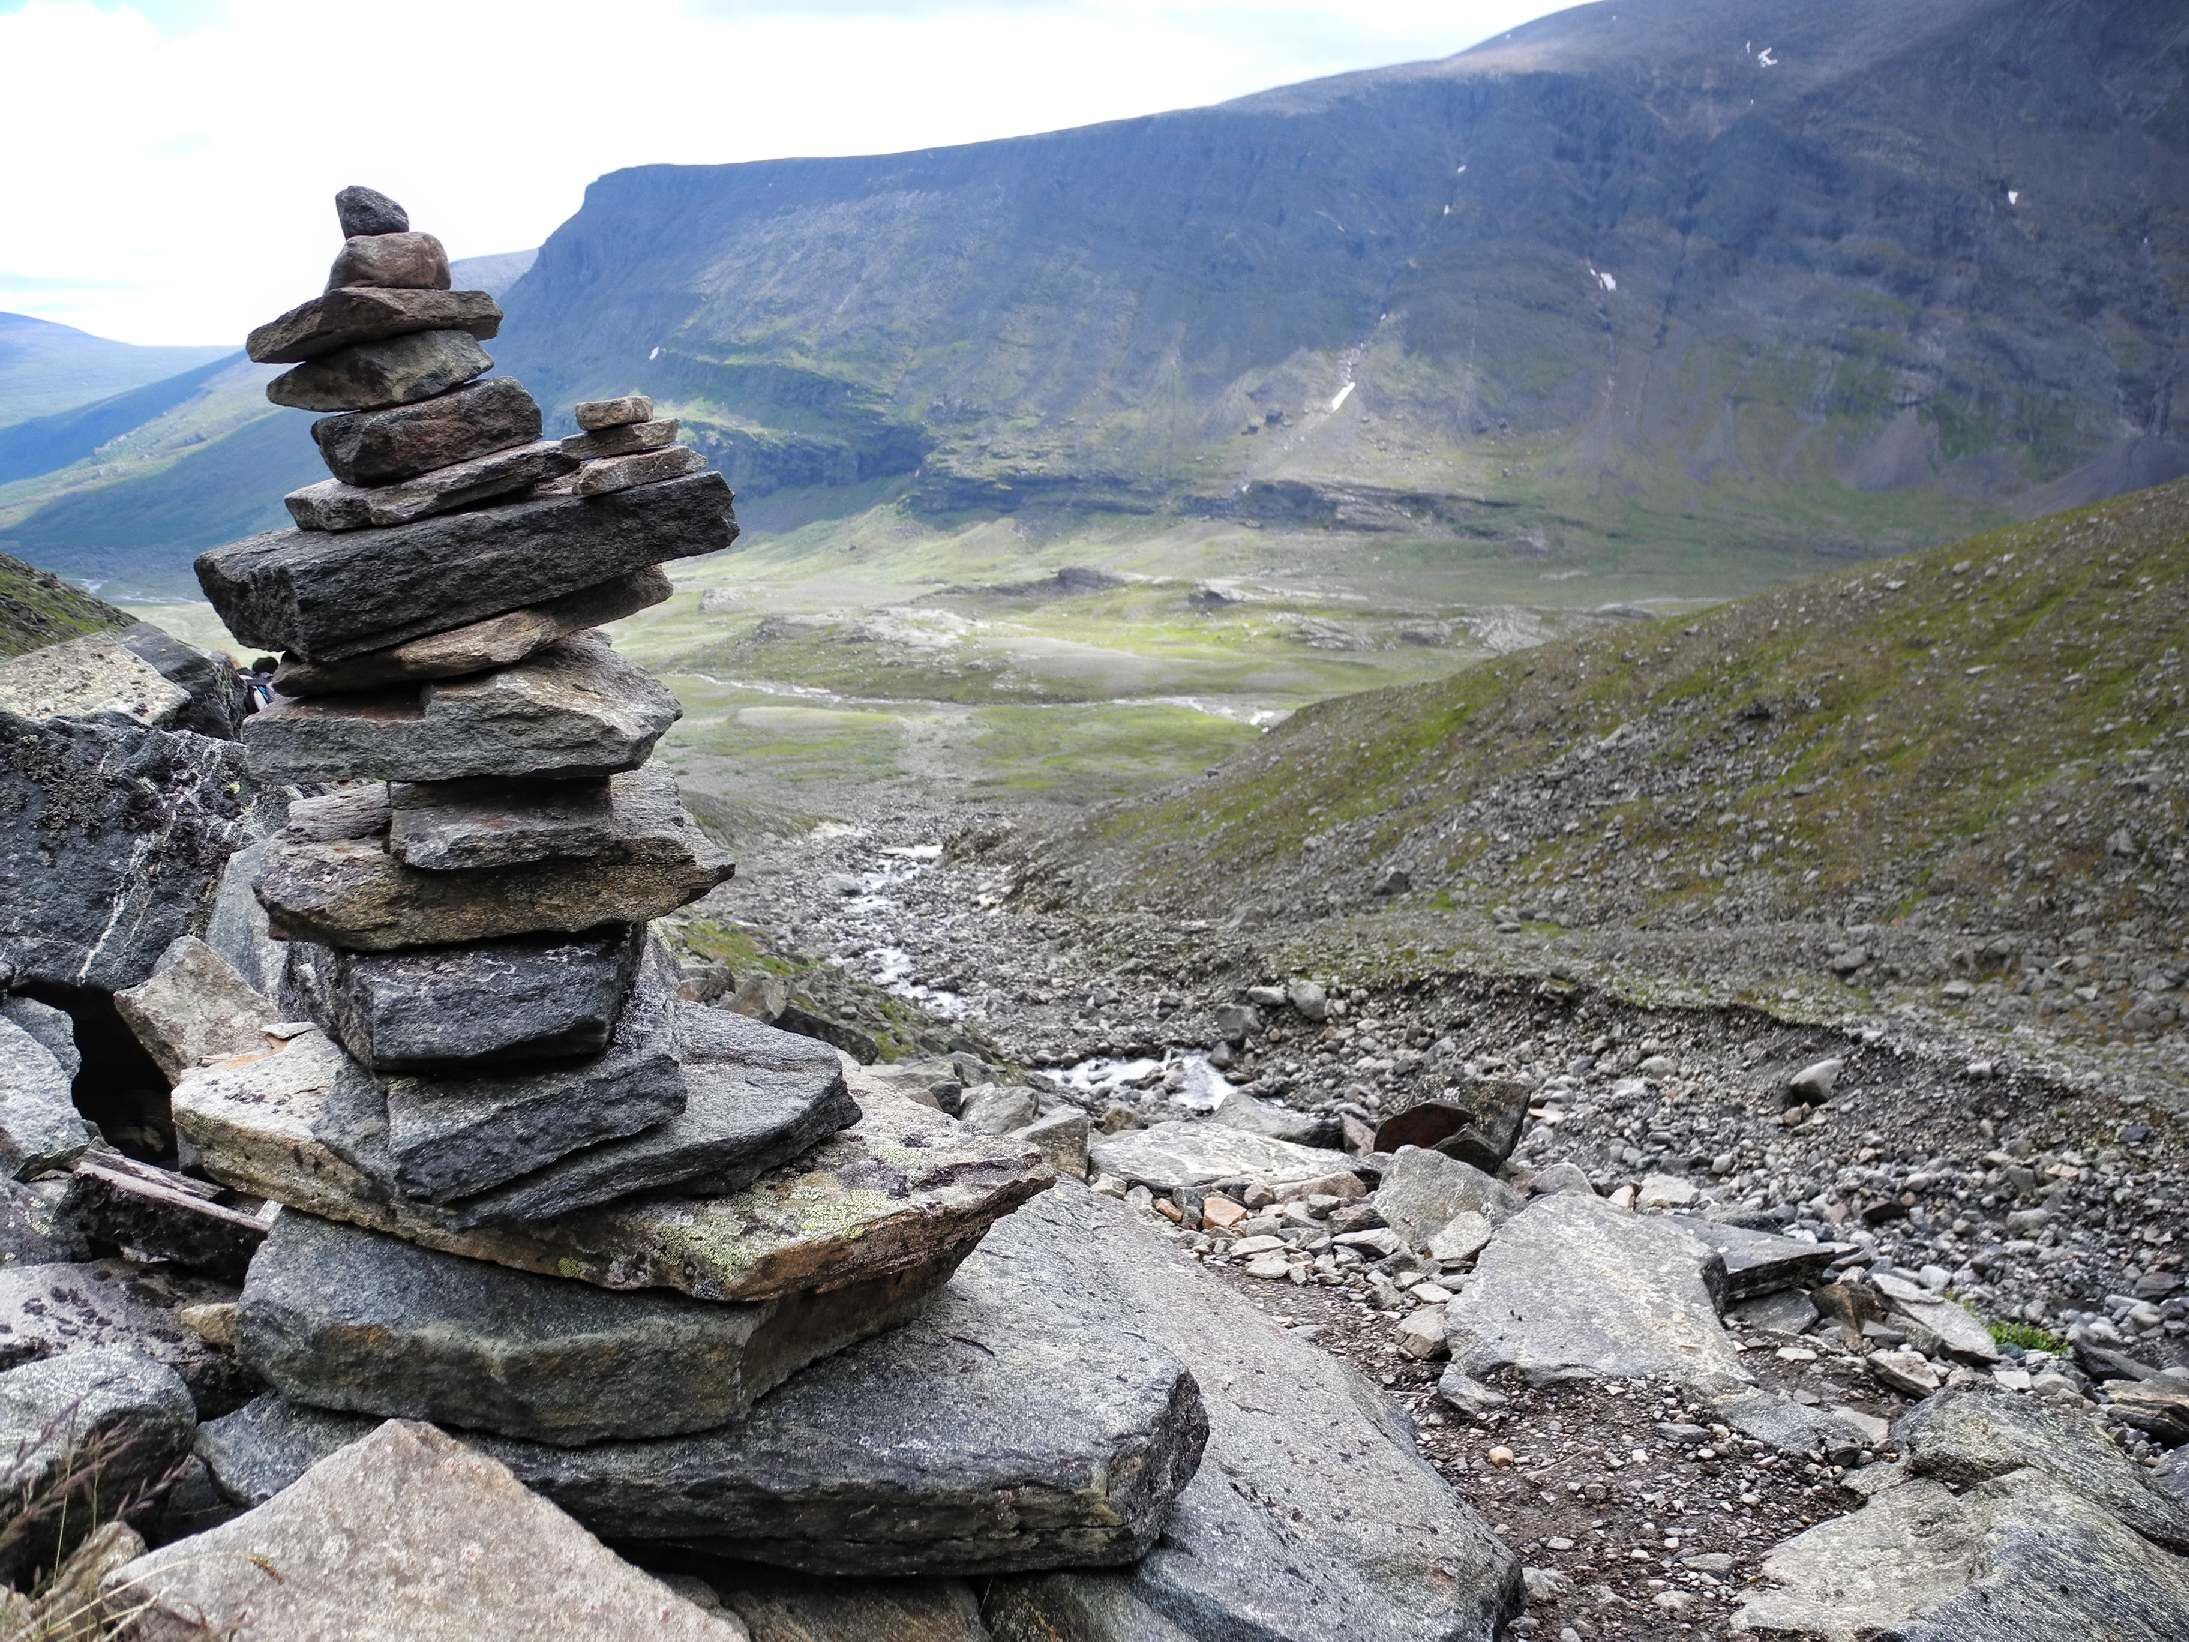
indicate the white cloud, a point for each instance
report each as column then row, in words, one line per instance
column 171, row 164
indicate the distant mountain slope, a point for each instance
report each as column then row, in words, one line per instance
column 46, row 368
column 1637, row 277
column 126, row 491
column 1990, row 736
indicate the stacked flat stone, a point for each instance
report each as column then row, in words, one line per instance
column 529, row 1192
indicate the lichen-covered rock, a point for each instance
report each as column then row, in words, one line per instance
column 112, row 838
column 46, row 1310
column 895, row 1191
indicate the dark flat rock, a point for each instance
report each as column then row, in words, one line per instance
column 457, row 1135
column 498, row 641
column 112, row 839
column 350, row 1320
column 345, row 318
column 893, row 1192
column 1759, row 1263
column 382, row 447
column 464, row 826
column 324, row 595
column 351, row 892
column 994, row 1431
column 157, row 1214
column 625, row 439
column 755, row 1099
column 575, row 709
column 398, row 371
column 333, row 505
column 533, row 997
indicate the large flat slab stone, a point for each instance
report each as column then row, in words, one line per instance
column 459, row 1134
column 408, row 1533
column 351, row 892
column 994, row 1431
column 893, row 1192
column 81, row 677
column 528, row 998
column 333, row 505
column 345, row 317
column 398, row 371
column 1170, row 1155
column 498, row 641
column 383, row 447
column 1573, row 1287
column 1759, row 1263
column 340, row 1318
column 112, row 838
column 324, row 595
column 575, row 709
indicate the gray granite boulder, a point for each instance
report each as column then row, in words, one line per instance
column 46, row 1310
column 2021, row 1558
column 1171, row 1155
column 333, row 505
column 83, row 1435
column 344, row 1319
column 325, row 595
column 531, row 997
column 112, row 838
column 498, row 641
column 404, row 1533
column 55, row 1032
column 352, row 893
column 1966, row 1435
column 193, row 1008
column 398, row 371
column 385, row 447
column 576, row 709
column 1573, row 1287
column 345, row 318
column 1423, row 1192
column 40, row 1127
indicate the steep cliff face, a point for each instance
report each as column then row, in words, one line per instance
column 1842, row 275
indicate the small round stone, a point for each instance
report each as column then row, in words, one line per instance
column 368, row 211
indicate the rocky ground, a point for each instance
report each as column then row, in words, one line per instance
column 1990, row 1222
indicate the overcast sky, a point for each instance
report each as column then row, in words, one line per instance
column 170, row 164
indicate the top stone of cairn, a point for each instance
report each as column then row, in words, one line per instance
column 620, row 412
column 368, row 211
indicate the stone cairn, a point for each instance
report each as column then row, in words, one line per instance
column 529, row 1192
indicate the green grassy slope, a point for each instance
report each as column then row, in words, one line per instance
column 1990, row 735
column 38, row 608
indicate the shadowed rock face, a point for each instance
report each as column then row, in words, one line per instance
column 111, row 842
